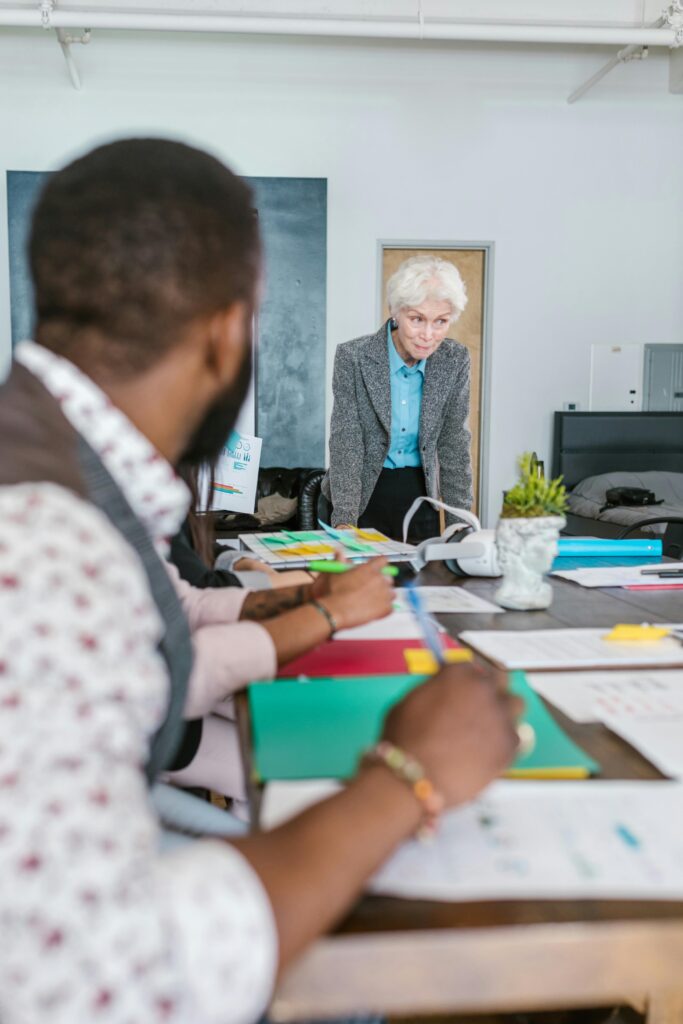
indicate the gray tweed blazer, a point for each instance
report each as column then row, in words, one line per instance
column 361, row 425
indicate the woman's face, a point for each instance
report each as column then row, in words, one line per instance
column 421, row 329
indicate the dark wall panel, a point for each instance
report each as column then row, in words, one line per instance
column 291, row 328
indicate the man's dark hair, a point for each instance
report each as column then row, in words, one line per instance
column 132, row 242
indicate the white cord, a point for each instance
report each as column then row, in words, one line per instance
column 468, row 517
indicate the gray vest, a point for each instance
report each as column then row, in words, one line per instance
column 40, row 445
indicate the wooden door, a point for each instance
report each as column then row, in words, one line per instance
column 468, row 330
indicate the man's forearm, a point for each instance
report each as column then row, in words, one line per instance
column 266, row 604
column 315, row 866
column 297, row 631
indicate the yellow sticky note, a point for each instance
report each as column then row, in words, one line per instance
column 547, row 773
column 420, row 661
column 371, row 535
column 297, row 550
column 626, row 633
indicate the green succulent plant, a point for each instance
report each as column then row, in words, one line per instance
column 533, row 495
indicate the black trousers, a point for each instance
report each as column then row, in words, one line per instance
column 394, row 493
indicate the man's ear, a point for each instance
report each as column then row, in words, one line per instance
column 229, row 338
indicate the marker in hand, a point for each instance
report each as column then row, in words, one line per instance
column 335, row 566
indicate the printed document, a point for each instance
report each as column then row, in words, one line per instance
column 540, row 840
column 596, row 696
column 448, row 600
column 659, row 739
column 570, row 648
column 620, row 576
column 397, row 626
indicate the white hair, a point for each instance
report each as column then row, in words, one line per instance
column 426, row 277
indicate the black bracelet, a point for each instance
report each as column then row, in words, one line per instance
column 328, row 615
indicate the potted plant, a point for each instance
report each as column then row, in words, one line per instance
column 526, row 536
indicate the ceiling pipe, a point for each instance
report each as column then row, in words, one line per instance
column 65, row 42
column 627, row 54
column 417, row 29
column 65, row 45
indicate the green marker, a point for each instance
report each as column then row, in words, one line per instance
column 320, row 566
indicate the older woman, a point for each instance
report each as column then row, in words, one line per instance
column 401, row 403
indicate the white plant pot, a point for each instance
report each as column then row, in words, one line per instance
column 526, row 550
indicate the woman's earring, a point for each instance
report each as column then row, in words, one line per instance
column 393, row 323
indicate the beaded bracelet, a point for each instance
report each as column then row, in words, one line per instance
column 331, row 621
column 407, row 769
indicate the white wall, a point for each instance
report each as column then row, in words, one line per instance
column 584, row 203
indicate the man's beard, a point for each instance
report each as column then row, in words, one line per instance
column 207, row 442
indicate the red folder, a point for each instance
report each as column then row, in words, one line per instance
column 354, row 658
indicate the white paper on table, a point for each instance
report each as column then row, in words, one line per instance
column 658, row 739
column 550, row 840
column 594, row 696
column 283, row 800
column 447, row 600
column 569, row 648
column 620, row 576
column 397, row 626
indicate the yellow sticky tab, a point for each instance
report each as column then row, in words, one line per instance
column 311, row 550
column 295, row 550
column 547, row 773
column 371, row 535
column 420, row 661
column 626, row 633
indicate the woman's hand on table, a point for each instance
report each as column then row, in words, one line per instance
column 248, row 564
column 278, row 580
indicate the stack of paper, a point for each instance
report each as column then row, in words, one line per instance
column 645, row 708
column 397, row 626
column 620, row 576
column 595, row 696
column 570, row 648
column 608, row 840
column 448, row 601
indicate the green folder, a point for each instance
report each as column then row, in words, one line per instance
column 318, row 728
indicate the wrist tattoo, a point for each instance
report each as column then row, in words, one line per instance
column 266, row 604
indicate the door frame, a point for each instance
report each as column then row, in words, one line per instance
column 649, row 347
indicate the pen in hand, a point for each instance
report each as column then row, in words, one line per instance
column 430, row 632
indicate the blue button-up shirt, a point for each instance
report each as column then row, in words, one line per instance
column 406, row 401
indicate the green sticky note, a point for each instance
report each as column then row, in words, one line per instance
column 275, row 541
column 318, row 728
column 308, row 535
column 357, row 545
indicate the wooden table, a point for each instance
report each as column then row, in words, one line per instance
column 404, row 957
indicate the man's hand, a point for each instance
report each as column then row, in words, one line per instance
column 357, row 596
column 461, row 726
column 324, row 583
